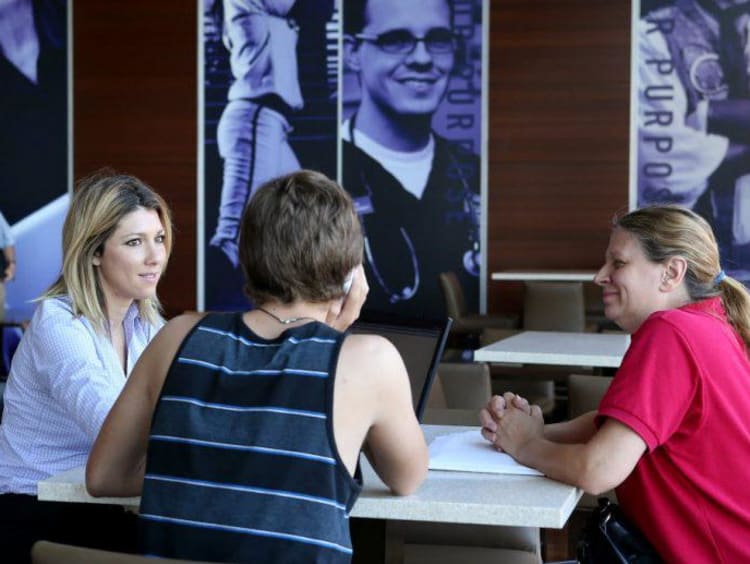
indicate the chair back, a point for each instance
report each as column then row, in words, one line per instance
column 554, row 306
column 46, row 552
column 466, row 385
column 592, row 299
column 585, row 391
column 451, row 543
column 453, row 294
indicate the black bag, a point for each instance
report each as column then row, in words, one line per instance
column 610, row 538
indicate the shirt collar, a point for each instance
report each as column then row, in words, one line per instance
column 133, row 314
column 712, row 306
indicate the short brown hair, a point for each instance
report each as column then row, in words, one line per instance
column 299, row 238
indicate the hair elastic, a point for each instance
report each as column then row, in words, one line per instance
column 720, row 277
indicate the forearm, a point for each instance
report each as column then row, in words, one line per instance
column 568, row 463
column 402, row 468
column 578, row 430
column 114, row 473
column 597, row 465
column 117, row 462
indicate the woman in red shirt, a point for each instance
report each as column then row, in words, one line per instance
column 672, row 433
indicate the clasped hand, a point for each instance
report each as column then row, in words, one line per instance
column 509, row 422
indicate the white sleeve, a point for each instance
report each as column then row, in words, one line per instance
column 66, row 355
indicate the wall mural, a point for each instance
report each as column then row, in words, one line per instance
column 691, row 92
column 34, row 142
column 384, row 95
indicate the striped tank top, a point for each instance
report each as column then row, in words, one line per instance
column 242, row 464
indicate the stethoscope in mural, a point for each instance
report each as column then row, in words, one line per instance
column 364, row 206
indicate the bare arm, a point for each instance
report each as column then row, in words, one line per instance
column 596, row 465
column 578, row 430
column 372, row 404
column 397, row 448
column 574, row 452
column 117, row 461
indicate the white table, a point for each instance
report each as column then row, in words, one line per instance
column 545, row 275
column 558, row 348
column 447, row 497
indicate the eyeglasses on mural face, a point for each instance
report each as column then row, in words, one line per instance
column 437, row 41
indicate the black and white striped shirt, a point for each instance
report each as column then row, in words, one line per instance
column 242, row 463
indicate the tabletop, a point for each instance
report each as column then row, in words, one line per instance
column 545, row 275
column 558, row 348
column 447, row 497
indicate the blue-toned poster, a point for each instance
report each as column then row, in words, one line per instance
column 411, row 136
column 269, row 108
column 34, row 142
column 691, row 115
column 405, row 139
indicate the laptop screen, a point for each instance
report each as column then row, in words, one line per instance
column 420, row 342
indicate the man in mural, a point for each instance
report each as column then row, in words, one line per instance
column 694, row 115
column 253, row 132
column 416, row 193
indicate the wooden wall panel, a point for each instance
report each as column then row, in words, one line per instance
column 559, row 106
column 558, row 131
column 135, row 100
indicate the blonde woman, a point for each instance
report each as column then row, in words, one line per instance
column 86, row 334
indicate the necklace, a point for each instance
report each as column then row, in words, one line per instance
column 286, row 321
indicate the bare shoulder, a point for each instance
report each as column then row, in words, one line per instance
column 152, row 367
column 373, row 363
column 373, row 344
column 175, row 331
column 163, row 347
column 189, row 319
column 377, row 351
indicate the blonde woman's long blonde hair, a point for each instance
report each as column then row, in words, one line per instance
column 668, row 230
column 99, row 204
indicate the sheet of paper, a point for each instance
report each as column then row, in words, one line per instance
column 467, row 451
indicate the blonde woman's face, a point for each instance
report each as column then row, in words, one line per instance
column 133, row 258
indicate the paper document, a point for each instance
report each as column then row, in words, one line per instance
column 467, row 451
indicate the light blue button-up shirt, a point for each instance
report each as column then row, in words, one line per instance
column 64, row 379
